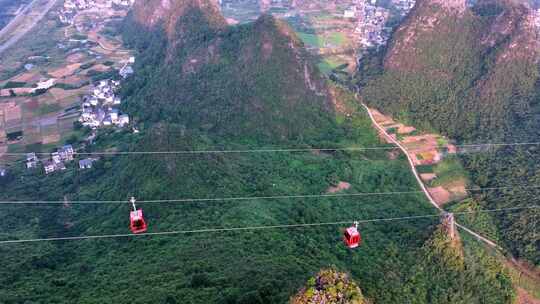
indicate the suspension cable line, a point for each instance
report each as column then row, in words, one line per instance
column 254, row 228
column 270, row 150
column 248, row 198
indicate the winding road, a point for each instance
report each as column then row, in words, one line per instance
column 487, row 241
column 12, row 26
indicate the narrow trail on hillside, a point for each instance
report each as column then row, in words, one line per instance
column 421, row 183
column 509, row 261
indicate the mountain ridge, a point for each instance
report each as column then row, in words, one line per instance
column 474, row 77
column 255, row 80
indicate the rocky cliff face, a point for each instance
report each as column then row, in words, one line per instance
column 150, row 13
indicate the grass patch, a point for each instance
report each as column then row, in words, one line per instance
column 314, row 40
column 327, row 65
column 392, row 130
column 448, row 171
column 14, row 84
column 16, row 148
column 48, row 108
column 425, row 169
column 337, row 38
column 441, row 142
column 311, row 39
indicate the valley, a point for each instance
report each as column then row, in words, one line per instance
column 256, row 157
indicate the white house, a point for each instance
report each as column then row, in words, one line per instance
column 86, row 163
column 49, row 167
column 114, row 114
column 66, row 153
column 123, row 120
column 56, row 158
column 125, row 71
column 44, row 85
column 31, row 160
column 349, row 13
column 94, row 101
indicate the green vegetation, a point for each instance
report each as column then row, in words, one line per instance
column 254, row 93
column 279, row 96
column 101, row 75
column 337, row 38
column 449, row 170
column 327, row 65
column 480, row 222
column 88, row 65
column 311, row 40
column 330, row 286
column 48, row 108
column 315, row 40
column 78, row 36
column 40, row 40
column 519, row 169
column 67, row 86
column 445, row 80
column 14, row 84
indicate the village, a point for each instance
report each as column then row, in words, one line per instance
column 77, row 78
column 85, row 89
column 74, row 80
column 339, row 32
column 57, row 160
column 100, row 109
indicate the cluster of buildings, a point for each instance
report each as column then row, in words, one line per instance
column 101, row 108
column 68, row 12
column 372, row 20
column 57, row 160
column 403, row 6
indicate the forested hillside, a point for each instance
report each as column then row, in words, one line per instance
column 471, row 73
column 202, row 86
column 252, row 80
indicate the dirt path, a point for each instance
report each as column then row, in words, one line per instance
column 523, row 296
column 419, row 180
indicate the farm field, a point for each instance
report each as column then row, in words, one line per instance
column 32, row 120
column 324, row 31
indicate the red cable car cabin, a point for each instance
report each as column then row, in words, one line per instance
column 352, row 237
column 137, row 223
